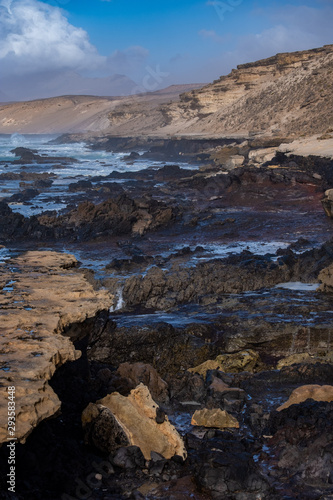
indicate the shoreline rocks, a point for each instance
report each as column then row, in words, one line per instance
column 42, row 296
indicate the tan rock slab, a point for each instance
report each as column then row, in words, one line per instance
column 217, row 418
column 238, row 362
column 136, row 417
column 316, row 392
column 41, row 295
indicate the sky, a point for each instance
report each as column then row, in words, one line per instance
column 153, row 43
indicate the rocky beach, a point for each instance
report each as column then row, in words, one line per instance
column 166, row 295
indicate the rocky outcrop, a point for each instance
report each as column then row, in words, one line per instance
column 160, row 289
column 299, row 454
column 166, row 348
column 115, row 421
column 88, row 221
column 217, row 418
column 27, row 156
column 42, row 295
column 248, row 360
column 301, row 394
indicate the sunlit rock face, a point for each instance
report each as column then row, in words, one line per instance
column 42, row 295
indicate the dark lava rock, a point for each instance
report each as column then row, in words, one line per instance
column 167, row 349
column 132, row 156
column 74, row 187
column 226, row 469
column 164, row 289
column 22, row 196
column 300, row 451
column 160, row 416
column 103, row 431
column 88, row 221
column 31, row 156
column 43, row 183
column 186, row 386
column 129, row 457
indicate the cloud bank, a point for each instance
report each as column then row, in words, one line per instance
column 36, row 37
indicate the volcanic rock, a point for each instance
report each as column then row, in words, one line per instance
column 143, row 373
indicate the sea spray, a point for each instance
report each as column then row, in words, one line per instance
column 119, row 303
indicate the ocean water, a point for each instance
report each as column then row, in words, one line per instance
column 90, row 163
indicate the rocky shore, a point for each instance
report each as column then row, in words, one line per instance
column 193, row 358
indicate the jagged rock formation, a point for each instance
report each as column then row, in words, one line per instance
column 116, row 420
column 41, row 295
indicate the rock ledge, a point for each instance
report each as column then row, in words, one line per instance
column 41, row 295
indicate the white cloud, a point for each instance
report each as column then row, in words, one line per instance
column 35, row 36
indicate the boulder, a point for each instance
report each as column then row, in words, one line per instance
column 116, row 421
column 144, row 373
column 315, row 392
column 325, row 277
column 216, row 418
column 247, row 360
column 262, row 155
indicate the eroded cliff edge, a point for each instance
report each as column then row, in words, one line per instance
column 42, row 294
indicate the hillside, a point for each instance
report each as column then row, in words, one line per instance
column 81, row 113
column 287, row 95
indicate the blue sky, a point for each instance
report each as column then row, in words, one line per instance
column 184, row 41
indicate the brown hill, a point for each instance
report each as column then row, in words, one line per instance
column 289, row 94
column 79, row 113
column 284, row 95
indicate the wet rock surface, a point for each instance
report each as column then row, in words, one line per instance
column 216, row 313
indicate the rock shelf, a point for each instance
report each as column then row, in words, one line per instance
column 42, row 294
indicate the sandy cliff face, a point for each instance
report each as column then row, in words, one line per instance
column 285, row 95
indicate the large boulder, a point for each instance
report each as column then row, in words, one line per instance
column 116, row 421
column 316, row 392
